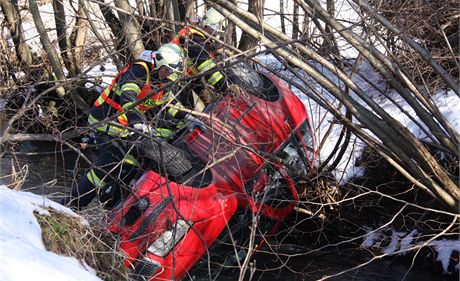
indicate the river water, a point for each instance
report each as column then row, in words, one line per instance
column 49, row 170
column 41, row 168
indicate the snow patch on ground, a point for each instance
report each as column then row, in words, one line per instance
column 402, row 242
column 23, row 254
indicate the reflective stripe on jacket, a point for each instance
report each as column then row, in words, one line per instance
column 114, row 92
column 200, row 60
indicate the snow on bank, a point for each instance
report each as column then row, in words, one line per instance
column 402, row 243
column 448, row 104
column 22, row 253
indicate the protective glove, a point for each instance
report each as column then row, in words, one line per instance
column 197, row 124
column 233, row 89
column 144, row 128
column 194, row 123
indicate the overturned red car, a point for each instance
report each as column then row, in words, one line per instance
column 244, row 166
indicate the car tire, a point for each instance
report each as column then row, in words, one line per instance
column 169, row 157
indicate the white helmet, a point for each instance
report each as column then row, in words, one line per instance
column 214, row 19
column 169, row 55
column 146, row 55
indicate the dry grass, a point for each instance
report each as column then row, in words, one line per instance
column 65, row 235
column 319, row 196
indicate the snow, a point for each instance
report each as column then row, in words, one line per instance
column 20, row 234
column 394, row 243
column 371, row 237
column 406, row 241
column 445, row 248
column 447, row 102
column 401, row 243
column 22, row 253
column 24, row 257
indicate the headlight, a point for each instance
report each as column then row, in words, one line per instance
column 166, row 242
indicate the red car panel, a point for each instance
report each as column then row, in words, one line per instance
column 241, row 131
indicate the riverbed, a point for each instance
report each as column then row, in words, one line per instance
column 47, row 169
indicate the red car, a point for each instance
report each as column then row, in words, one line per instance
column 244, row 169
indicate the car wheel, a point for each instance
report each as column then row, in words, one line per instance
column 246, row 77
column 252, row 81
column 169, row 157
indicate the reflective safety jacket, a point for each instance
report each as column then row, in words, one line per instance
column 198, row 49
column 132, row 84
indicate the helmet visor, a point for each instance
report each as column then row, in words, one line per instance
column 177, row 67
column 217, row 27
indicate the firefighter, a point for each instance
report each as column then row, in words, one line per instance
column 200, row 52
column 117, row 164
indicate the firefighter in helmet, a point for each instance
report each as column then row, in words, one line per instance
column 200, row 52
column 145, row 85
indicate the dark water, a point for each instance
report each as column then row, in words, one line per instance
column 41, row 168
column 337, row 266
column 51, row 170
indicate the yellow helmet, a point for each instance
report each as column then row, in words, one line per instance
column 214, row 19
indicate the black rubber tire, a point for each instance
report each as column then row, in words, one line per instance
column 169, row 157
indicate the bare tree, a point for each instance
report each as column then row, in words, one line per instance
column 49, row 49
column 295, row 21
column 329, row 45
column 282, row 17
column 130, row 26
column 247, row 42
column 409, row 23
column 397, row 145
column 78, row 36
column 230, row 34
column 68, row 56
column 121, row 32
column 11, row 13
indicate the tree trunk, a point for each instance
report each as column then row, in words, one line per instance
column 115, row 26
column 305, row 25
column 11, row 13
column 49, row 49
column 182, row 10
column 329, row 46
column 190, row 9
column 172, row 8
column 140, row 7
column 131, row 28
column 230, row 32
column 96, row 32
column 63, row 42
column 256, row 7
column 7, row 73
column 295, row 21
column 151, row 28
column 78, row 37
column 282, row 17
